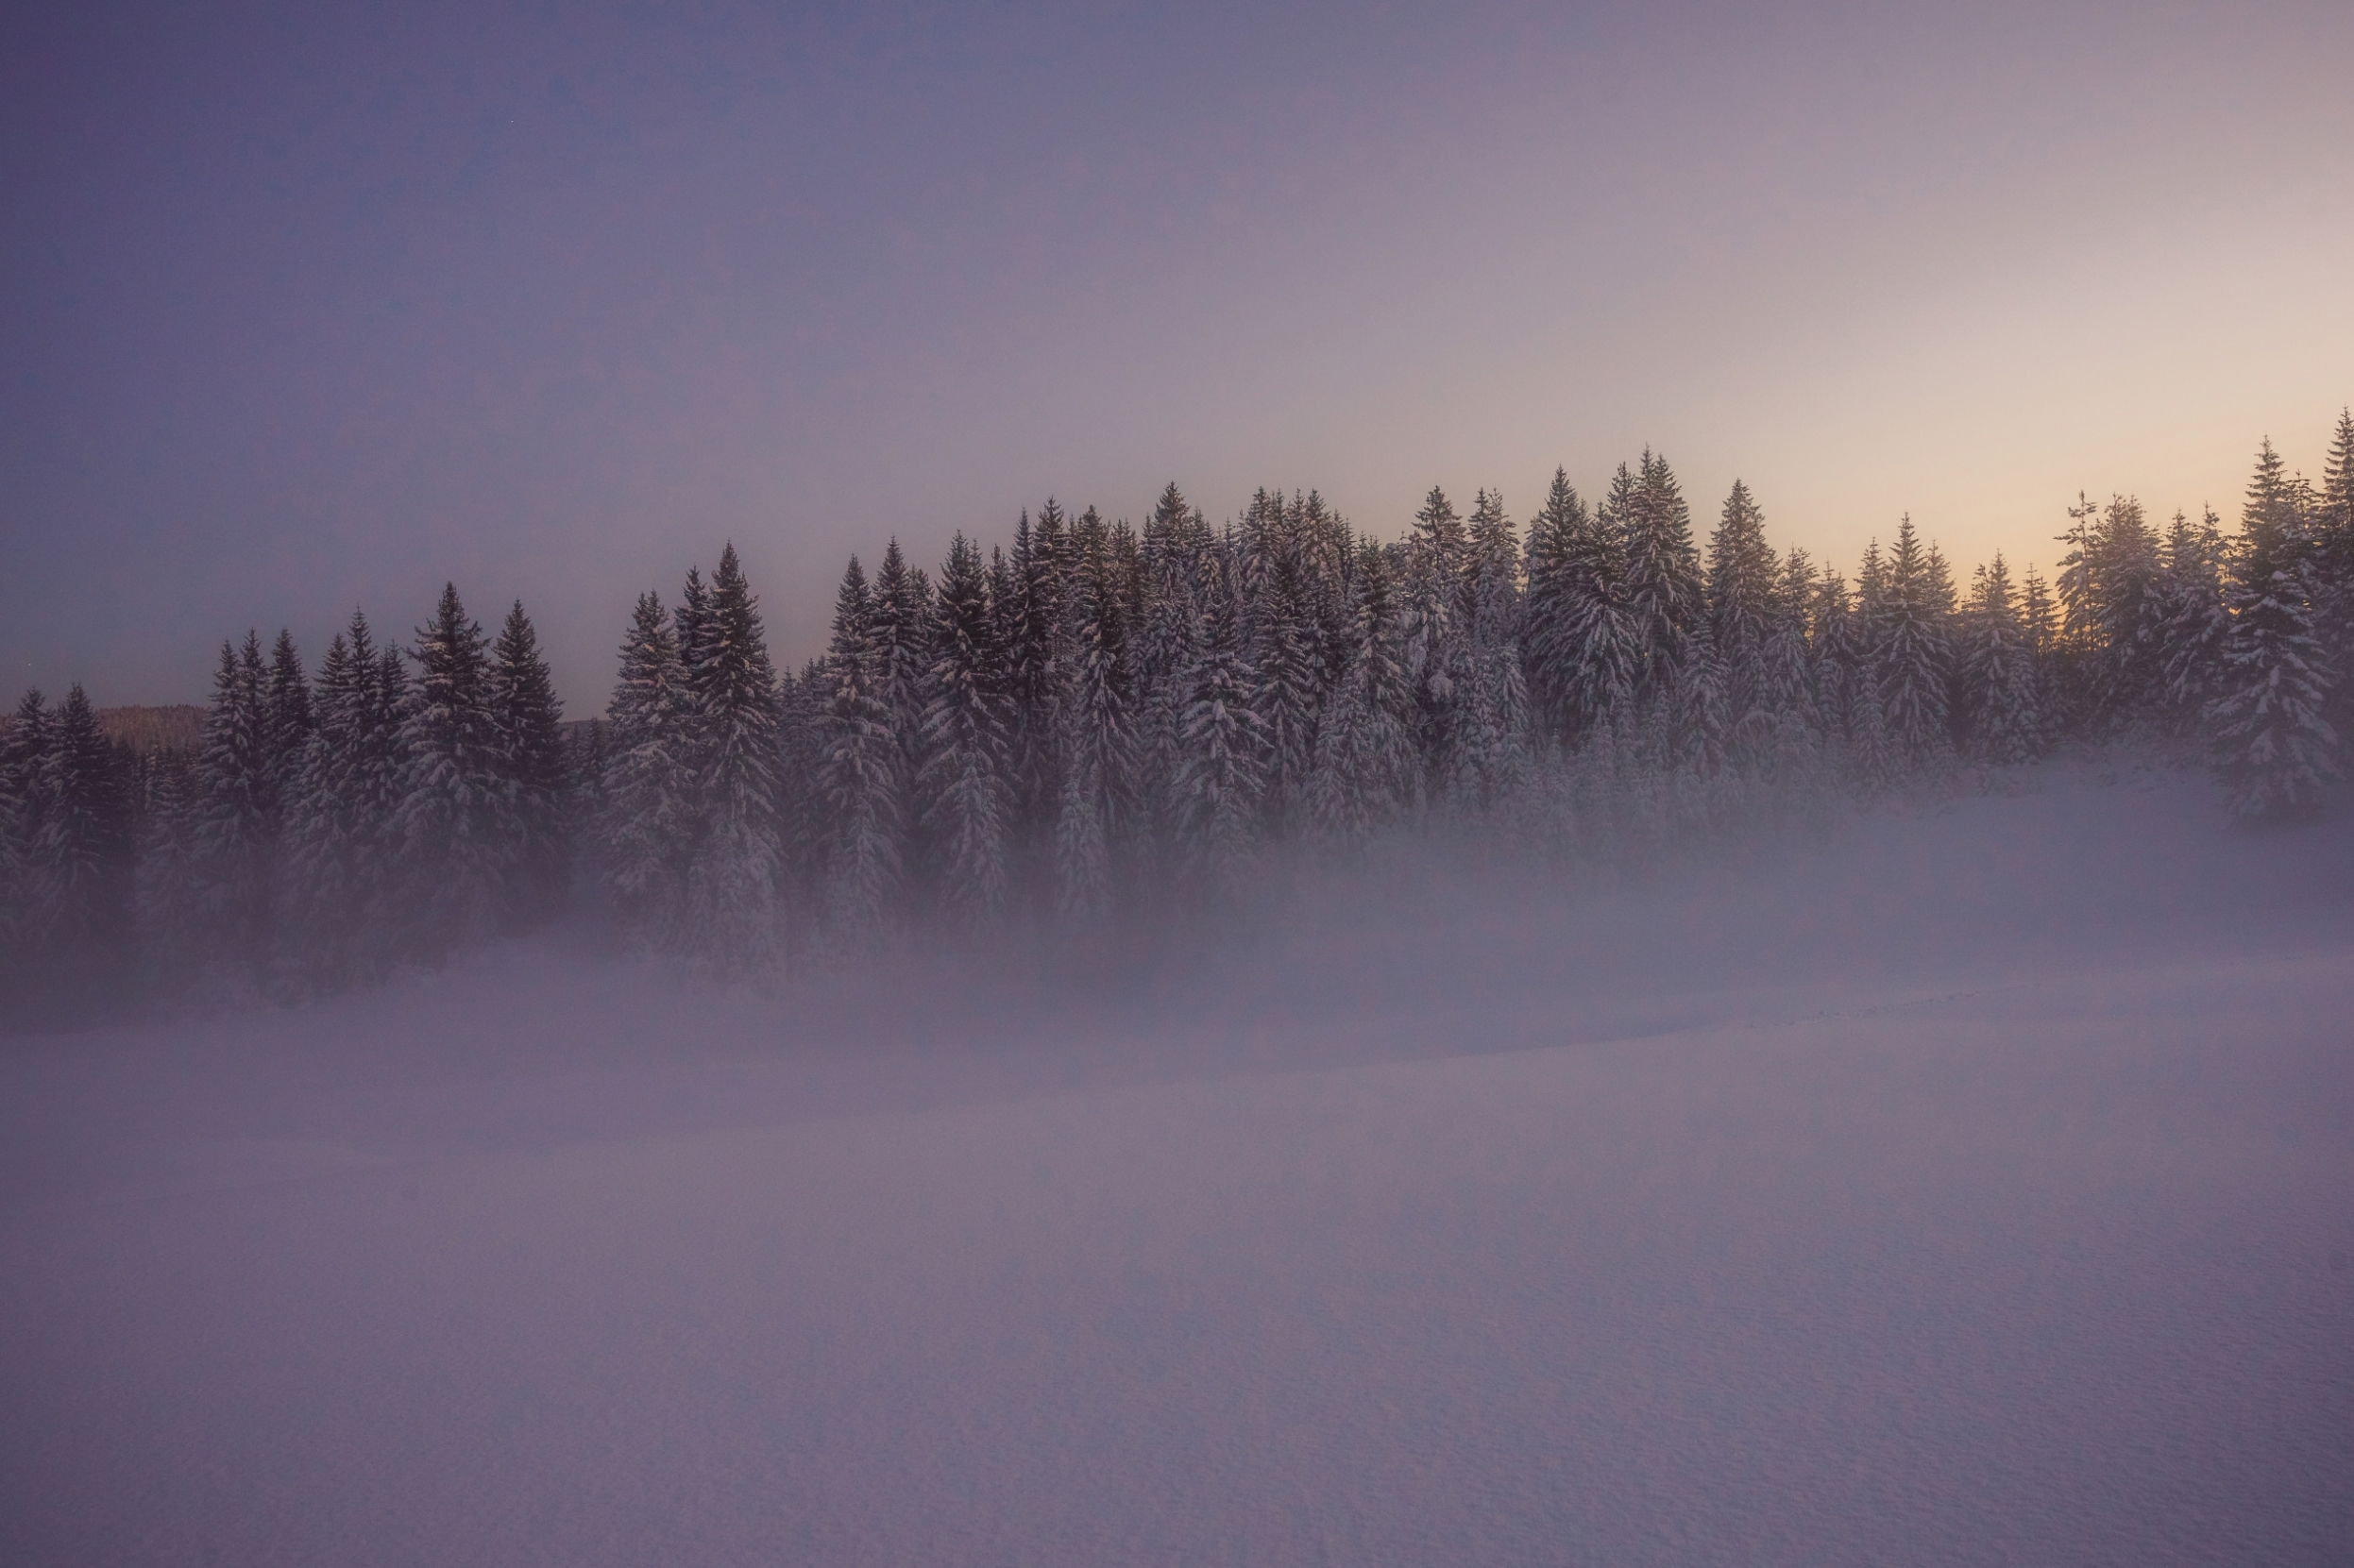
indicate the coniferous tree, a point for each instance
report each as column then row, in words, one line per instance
column 1365, row 754
column 1584, row 642
column 900, row 631
column 1434, row 568
column 2333, row 552
column 165, row 891
column 344, row 860
column 1220, row 771
column 2271, row 742
column 456, row 820
column 965, row 780
column 858, row 775
column 1785, row 686
column 1839, row 654
column 234, row 815
column 1284, row 652
column 1099, row 749
column 1491, row 751
column 1173, row 556
column 2188, row 626
column 1663, row 590
column 528, row 723
column 648, row 824
column 733, row 879
column 1997, row 675
column 25, row 783
column 1742, row 578
column 1912, row 652
column 82, row 854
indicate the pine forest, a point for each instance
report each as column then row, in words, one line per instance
column 1091, row 720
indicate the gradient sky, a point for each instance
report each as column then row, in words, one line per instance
column 309, row 306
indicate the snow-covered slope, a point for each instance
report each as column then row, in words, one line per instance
column 1974, row 1187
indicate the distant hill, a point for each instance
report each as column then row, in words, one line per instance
column 148, row 729
column 145, row 729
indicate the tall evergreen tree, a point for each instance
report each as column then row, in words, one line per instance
column 527, row 724
column 2272, row 744
column 455, row 818
column 649, row 818
column 1742, row 574
column 344, row 854
column 859, row 774
column 1490, row 755
column 1221, row 769
column 1912, row 651
column 235, row 820
column 1663, row 590
column 900, row 631
column 1997, row 676
column 82, row 854
column 733, row 881
column 24, row 784
column 1365, row 754
column 966, row 786
column 2189, row 627
column 1435, row 561
column 1099, row 747
column 1785, row 686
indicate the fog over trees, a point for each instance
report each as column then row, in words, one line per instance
column 1091, row 720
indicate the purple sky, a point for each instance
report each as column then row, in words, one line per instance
column 302, row 307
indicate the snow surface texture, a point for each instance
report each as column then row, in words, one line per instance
column 1977, row 1186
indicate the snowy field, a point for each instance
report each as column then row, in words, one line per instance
column 1975, row 1186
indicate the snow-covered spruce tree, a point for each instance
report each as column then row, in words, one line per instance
column 1220, row 765
column 2038, row 621
column 163, row 892
column 82, row 854
column 1580, row 644
column 1284, row 650
column 1432, row 578
column 1173, row 551
column 1742, row 578
column 1663, row 590
column 1997, row 676
column 1491, row 754
column 1034, row 649
column 340, row 857
column 455, row 818
column 1913, row 653
column 2271, row 742
column 1786, row 684
column 803, row 700
column 964, row 782
column 1099, row 744
column 2110, row 565
column 1363, row 775
column 528, row 723
column 289, row 701
column 900, row 629
column 1702, row 714
column 235, row 820
column 733, row 878
column 24, row 807
column 2333, row 540
column 858, row 775
column 650, row 817
column 2188, row 625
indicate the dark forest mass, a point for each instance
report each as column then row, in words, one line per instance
column 1098, row 718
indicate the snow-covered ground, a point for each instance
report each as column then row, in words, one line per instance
column 1976, row 1186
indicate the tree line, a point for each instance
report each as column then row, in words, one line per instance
column 1096, row 717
